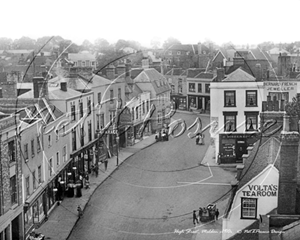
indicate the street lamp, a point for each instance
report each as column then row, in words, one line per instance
column 117, row 138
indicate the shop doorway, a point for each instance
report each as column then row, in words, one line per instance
column 200, row 102
column 16, row 228
column 240, row 149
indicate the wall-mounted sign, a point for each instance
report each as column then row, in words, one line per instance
column 275, row 86
column 261, row 191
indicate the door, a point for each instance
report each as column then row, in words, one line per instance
column 240, row 149
column 200, row 104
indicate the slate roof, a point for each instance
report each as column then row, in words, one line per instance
column 192, row 72
column 175, row 72
column 239, row 75
column 265, row 151
column 158, row 81
column 81, row 56
column 193, row 48
column 205, row 75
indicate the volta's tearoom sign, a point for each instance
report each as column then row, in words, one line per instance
column 260, row 191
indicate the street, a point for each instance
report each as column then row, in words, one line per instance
column 153, row 193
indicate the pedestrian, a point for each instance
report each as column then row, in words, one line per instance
column 96, row 170
column 93, row 169
column 217, row 214
column 79, row 210
column 197, row 139
column 195, row 219
column 105, row 164
column 200, row 213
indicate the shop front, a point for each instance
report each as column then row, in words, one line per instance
column 180, row 102
column 199, row 102
column 232, row 146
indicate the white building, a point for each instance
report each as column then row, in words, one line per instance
column 236, row 102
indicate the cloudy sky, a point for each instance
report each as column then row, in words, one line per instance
column 190, row 21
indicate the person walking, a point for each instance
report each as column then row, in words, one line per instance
column 197, row 139
column 79, row 210
column 195, row 219
column 200, row 213
column 96, row 170
column 217, row 214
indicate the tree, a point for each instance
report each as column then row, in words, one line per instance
column 24, row 43
column 87, row 45
column 121, row 43
column 169, row 42
column 155, row 43
column 101, row 45
column 5, row 43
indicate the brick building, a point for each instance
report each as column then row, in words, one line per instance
column 11, row 205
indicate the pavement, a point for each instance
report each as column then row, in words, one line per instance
column 64, row 217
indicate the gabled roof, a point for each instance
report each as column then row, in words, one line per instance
column 277, row 50
column 260, row 54
column 158, row 81
column 239, row 75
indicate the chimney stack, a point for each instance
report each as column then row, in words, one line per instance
column 220, row 74
column 199, row 48
column 63, row 86
column 258, row 72
column 40, row 87
column 128, row 68
column 110, row 72
column 9, row 89
column 288, row 171
column 121, row 69
column 145, row 63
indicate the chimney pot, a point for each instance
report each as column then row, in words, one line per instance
column 63, row 86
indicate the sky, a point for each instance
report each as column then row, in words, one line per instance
column 190, row 21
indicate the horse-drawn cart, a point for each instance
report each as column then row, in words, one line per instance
column 208, row 213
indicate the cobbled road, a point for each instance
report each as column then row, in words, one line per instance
column 151, row 194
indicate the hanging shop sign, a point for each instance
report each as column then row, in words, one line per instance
column 261, row 191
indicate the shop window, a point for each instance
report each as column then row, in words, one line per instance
column 193, row 102
column 179, row 86
column 229, row 98
column 27, row 186
column 32, row 148
column 191, row 87
column 199, row 87
column 40, row 174
column 13, row 189
column 251, row 98
column 80, row 109
column 251, row 121
column 11, row 151
column 229, row 121
column 207, row 89
column 26, row 152
column 249, row 208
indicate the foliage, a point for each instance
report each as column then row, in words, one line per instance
column 293, row 108
column 5, row 43
column 169, row 42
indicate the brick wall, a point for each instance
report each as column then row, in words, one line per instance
column 288, row 173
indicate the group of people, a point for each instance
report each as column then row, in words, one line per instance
column 197, row 219
column 162, row 135
column 200, row 139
